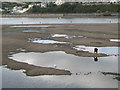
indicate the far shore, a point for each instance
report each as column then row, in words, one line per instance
column 77, row 15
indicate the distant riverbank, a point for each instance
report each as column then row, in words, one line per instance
column 80, row 15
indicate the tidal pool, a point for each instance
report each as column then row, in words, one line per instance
column 106, row 50
column 115, row 40
column 42, row 26
column 31, row 31
column 60, row 35
column 39, row 40
column 61, row 60
column 21, row 49
column 64, row 36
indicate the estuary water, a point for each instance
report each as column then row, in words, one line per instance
column 7, row 21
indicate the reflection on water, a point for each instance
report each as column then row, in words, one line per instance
column 55, row 20
column 73, row 63
column 95, row 59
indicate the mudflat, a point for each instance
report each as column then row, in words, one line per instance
column 14, row 38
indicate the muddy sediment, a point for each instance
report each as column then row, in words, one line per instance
column 14, row 38
column 32, row 70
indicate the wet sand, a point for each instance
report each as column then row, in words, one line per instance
column 14, row 38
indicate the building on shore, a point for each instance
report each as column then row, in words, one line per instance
column 1, row 10
column 43, row 4
column 20, row 10
column 59, row 2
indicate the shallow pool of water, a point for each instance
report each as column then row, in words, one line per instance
column 21, row 49
column 38, row 40
column 115, row 40
column 64, row 36
column 31, row 31
column 42, row 26
column 75, row 64
column 106, row 50
column 59, row 35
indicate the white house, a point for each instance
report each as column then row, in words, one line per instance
column 1, row 10
column 20, row 10
column 43, row 4
column 59, row 2
column 16, row 9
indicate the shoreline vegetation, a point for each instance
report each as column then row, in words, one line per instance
column 67, row 15
column 105, row 9
column 65, row 10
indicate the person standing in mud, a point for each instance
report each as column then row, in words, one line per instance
column 96, row 50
